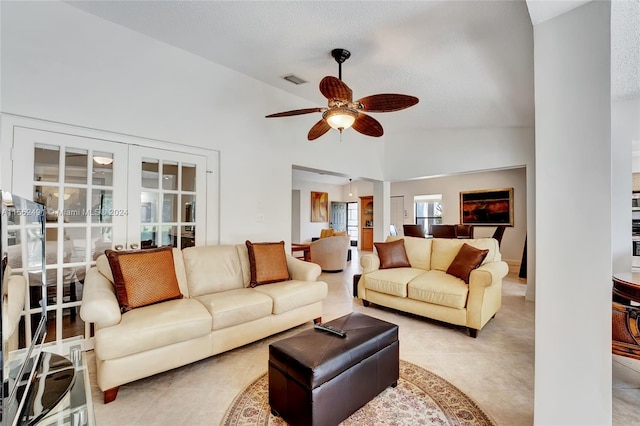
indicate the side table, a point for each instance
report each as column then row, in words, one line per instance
column 76, row 407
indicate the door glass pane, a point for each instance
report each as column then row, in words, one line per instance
column 148, row 237
column 188, row 211
column 101, row 206
column 75, row 168
column 74, row 244
column 46, row 159
column 188, row 236
column 101, row 240
column 170, row 208
column 44, row 195
column 149, row 173
column 71, row 278
column 169, row 175
column 148, row 207
column 72, row 323
column 188, row 177
column 169, row 236
column 102, row 168
column 75, row 205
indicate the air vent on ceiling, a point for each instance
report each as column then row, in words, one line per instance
column 294, row 79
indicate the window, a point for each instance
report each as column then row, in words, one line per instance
column 428, row 210
column 352, row 222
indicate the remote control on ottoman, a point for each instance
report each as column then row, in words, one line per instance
column 324, row 327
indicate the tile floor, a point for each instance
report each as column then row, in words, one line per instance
column 496, row 369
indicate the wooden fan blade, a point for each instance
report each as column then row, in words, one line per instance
column 368, row 125
column 387, row 102
column 294, row 112
column 334, row 88
column 318, row 129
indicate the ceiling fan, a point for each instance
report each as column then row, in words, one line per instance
column 343, row 112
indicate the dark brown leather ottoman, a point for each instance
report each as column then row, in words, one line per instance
column 317, row 378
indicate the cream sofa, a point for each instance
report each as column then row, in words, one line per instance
column 218, row 312
column 427, row 290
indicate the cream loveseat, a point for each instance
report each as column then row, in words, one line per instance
column 425, row 288
column 217, row 311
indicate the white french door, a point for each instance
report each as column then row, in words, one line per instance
column 166, row 189
column 102, row 194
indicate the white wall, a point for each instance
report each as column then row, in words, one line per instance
column 573, row 256
column 310, row 229
column 64, row 65
column 450, row 187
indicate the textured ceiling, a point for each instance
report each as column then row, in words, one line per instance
column 469, row 62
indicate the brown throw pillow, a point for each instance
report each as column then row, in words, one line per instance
column 143, row 277
column 467, row 259
column 268, row 263
column 392, row 255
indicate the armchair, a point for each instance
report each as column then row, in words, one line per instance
column 330, row 252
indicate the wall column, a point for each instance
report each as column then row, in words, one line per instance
column 573, row 218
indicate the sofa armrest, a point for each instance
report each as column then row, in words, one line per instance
column 370, row 262
column 301, row 270
column 485, row 293
column 99, row 302
column 488, row 274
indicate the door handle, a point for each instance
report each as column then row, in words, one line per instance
column 119, row 247
column 134, row 246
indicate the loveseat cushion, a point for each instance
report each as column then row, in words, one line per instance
column 289, row 295
column 235, row 307
column 212, row 269
column 391, row 281
column 444, row 250
column 439, row 288
column 418, row 250
column 392, row 255
column 153, row 326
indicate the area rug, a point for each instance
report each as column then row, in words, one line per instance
column 421, row 398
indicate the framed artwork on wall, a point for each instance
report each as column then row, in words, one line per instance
column 487, row 207
column 319, row 206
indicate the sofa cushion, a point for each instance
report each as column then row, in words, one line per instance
column 268, row 263
column 289, row 295
column 391, row 281
column 392, row 255
column 444, row 250
column 439, row 288
column 467, row 259
column 143, row 277
column 235, row 307
column 211, row 269
column 153, row 326
column 418, row 250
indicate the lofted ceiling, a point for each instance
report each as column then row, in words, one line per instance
column 469, row 62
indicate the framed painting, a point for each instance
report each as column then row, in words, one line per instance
column 319, row 206
column 487, row 207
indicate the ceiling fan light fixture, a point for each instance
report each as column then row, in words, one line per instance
column 340, row 118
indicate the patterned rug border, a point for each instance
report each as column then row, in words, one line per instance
column 457, row 407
